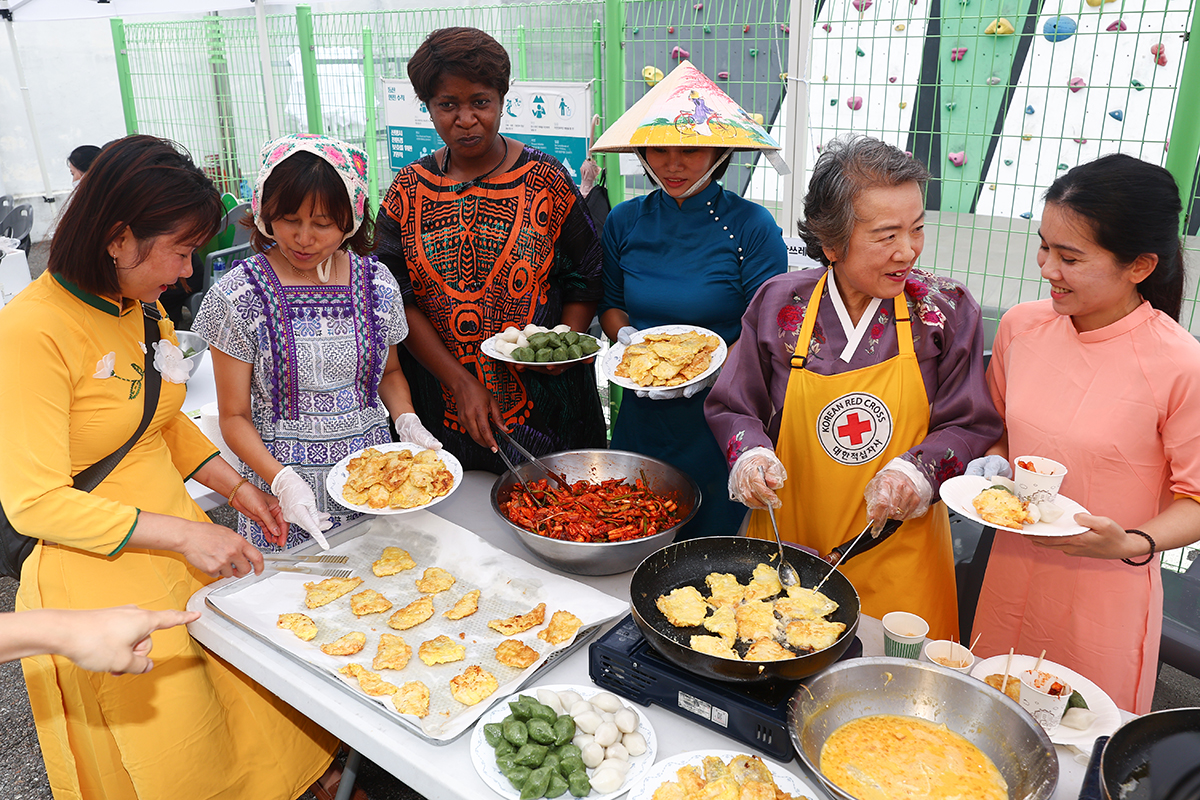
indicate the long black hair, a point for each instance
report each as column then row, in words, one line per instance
column 1133, row 207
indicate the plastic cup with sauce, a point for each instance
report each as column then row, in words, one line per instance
column 1045, row 697
column 1041, row 483
column 950, row 655
column 903, row 634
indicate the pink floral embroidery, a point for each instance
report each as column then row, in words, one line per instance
column 334, row 155
column 360, row 165
column 876, row 331
column 790, row 318
column 915, row 289
column 735, row 447
column 279, row 151
column 949, row 467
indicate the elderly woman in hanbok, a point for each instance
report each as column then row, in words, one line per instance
column 1102, row 378
column 690, row 252
column 862, row 379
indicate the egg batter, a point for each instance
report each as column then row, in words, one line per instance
column 889, row 757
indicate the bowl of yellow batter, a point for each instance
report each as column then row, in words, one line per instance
column 898, row 729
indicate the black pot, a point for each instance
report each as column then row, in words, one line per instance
column 1155, row 757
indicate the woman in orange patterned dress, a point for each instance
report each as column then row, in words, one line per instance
column 481, row 234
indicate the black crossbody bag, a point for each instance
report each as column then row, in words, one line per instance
column 15, row 547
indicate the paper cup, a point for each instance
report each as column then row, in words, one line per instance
column 1040, row 484
column 1046, row 708
column 903, row 634
column 950, row 655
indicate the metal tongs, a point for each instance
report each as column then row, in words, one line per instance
column 532, row 459
column 307, row 565
column 841, row 553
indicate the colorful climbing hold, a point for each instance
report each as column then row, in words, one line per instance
column 825, row 78
column 858, row 51
column 854, row 103
column 908, row 153
column 1026, row 215
column 678, row 53
column 746, row 29
column 708, row 29
column 1008, row 162
column 671, row 29
column 833, row 101
column 698, row 7
column 860, row 5
column 1059, row 29
column 1119, row 25
column 1080, row 141
column 958, row 159
column 635, row 31
column 1029, row 109
column 1063, row 166
column 892, row 79
column 957, row 53
column 1076, row 84
column 951, row 105
column 1096, row 3
column 757, row 117
column 991, row 187
column 1027, row 138
column 900, row 27
column 753, row 52
column 1159, row 51
column 1117, row 114
column 1137, row 85
column 785, row 29
column 826, row 27
column 1000, row 27
column 904, row 105
column 651, row 75
column 783, row 76
column 723, row 76
column 993, row 81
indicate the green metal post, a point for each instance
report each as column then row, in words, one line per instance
column 614, row 88
column 308, row 59
column 123, row 78
column 370, row 137
column 1185, row 130
column 597, row 68
column 522, row 55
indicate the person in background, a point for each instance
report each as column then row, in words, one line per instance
column 71, row 392
column 862, row 380
column 304, row 336
column 1102, row 378
column 483, row 234
column 80, row 161
column 693, row 253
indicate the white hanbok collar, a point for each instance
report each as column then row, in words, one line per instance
column 854, row 334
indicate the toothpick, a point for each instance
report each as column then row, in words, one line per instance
column 1038, row 665
column 972, row 647
column 1007, row 666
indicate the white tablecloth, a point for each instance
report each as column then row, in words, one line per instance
column 439, row 772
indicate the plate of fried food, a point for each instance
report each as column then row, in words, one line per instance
column 393, row 478
column 665, row 356
column 993, row 504
column 703, row 774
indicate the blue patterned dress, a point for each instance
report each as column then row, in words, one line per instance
column 318, row 353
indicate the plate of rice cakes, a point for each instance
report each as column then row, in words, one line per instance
column 665, row 357
column 393, row 478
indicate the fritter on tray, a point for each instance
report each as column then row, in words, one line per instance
column 562, row 627
column 474, row 684
column 412, row 614
column 326, row 591
column 441, row 650
column 515, row 653
column 392, row 561
column 299, row 624
column 467, row 605
column 348, row 645
column 369, row 601
column 413, row 698
column 393, row 652
column 435, row 580
column 521, row 622
column 368, row 681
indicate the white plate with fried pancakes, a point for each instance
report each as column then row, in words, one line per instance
column 665, row 771
column 959, row 492
column 614, row 354
column 339, row 473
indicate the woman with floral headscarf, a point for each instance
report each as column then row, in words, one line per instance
column 304, row 335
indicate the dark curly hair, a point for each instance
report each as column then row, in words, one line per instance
column 468, row 53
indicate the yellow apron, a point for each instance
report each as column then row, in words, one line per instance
column 837, row 431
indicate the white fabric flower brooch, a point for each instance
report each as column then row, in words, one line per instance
column 170, row 363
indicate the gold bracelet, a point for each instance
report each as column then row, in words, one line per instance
column 236, row 486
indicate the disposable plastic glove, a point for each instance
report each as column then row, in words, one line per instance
column 746, row 482
column 892, row 494
column 410, row 429
column 990, row 467
column 299, row 505
column 623, row 335
column 676, row 393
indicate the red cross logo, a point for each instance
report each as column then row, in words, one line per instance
column 854, row 428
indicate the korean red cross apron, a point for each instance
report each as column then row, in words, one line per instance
column 837, row 431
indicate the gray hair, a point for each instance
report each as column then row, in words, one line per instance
column 848, row 165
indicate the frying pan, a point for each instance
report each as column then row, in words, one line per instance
column 687, row 563
column 1155, row 757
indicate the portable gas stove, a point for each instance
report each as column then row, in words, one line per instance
column 623, row 662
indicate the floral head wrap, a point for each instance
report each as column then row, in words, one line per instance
column 349, row 162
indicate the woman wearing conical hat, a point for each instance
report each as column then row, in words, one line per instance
column 691, row 253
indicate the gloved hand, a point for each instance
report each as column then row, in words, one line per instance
column 893, row 494
column 299, row 505
column 623, row 335
column 676, row 393
column 410, row 429
column 990, row 467
column 746, row 482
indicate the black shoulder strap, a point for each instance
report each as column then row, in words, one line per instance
column 91, row 477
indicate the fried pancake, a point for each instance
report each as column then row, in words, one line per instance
column 764, row 583
column 351, row 496
column 441, row 483
column 413, row 698
column 412, row 614
column 368, row 681
column 714, row 646
column 369, row 601
column 723, row 622
column 395, row 474
column 802, row 603
column 515, row 653
column 667, row 359
column 724, row 589
column 768, row 650
column 562, row 627
column 520, row 622
column 348, row 645
column 409, row 496
column 396, row 479
column 326, row 591
column 299, row 624
column 393, row 652
column 1012, row 687
column 750, row 768
column 474, row 684
column 435, row 580
column 813, row 634
column 467, row 605
column 756, row 621
column 421, row 475
column 427, row 457
column 441, row 650
column 714, row 768
column 377, row 496
column 683, row 607
column 1001, row 507
column 392, row 561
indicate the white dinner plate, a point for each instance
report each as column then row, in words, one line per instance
column 958, row 492
column 488, row 346
column 483, row 755
column 1108, row 716
column 612, row 358
column 665, row 770
column 335, row 481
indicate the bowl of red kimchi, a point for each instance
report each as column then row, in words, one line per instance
column 619, row 508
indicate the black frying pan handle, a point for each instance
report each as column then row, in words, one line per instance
column 1091, row 788
column 889, row 528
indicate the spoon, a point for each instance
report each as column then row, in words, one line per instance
column 787, row 573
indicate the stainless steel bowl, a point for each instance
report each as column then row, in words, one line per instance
column 195, row 342
column 605, row 558
column 862, row 687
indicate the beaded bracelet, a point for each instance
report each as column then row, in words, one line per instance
column 1145, row 536
column 236, row 486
